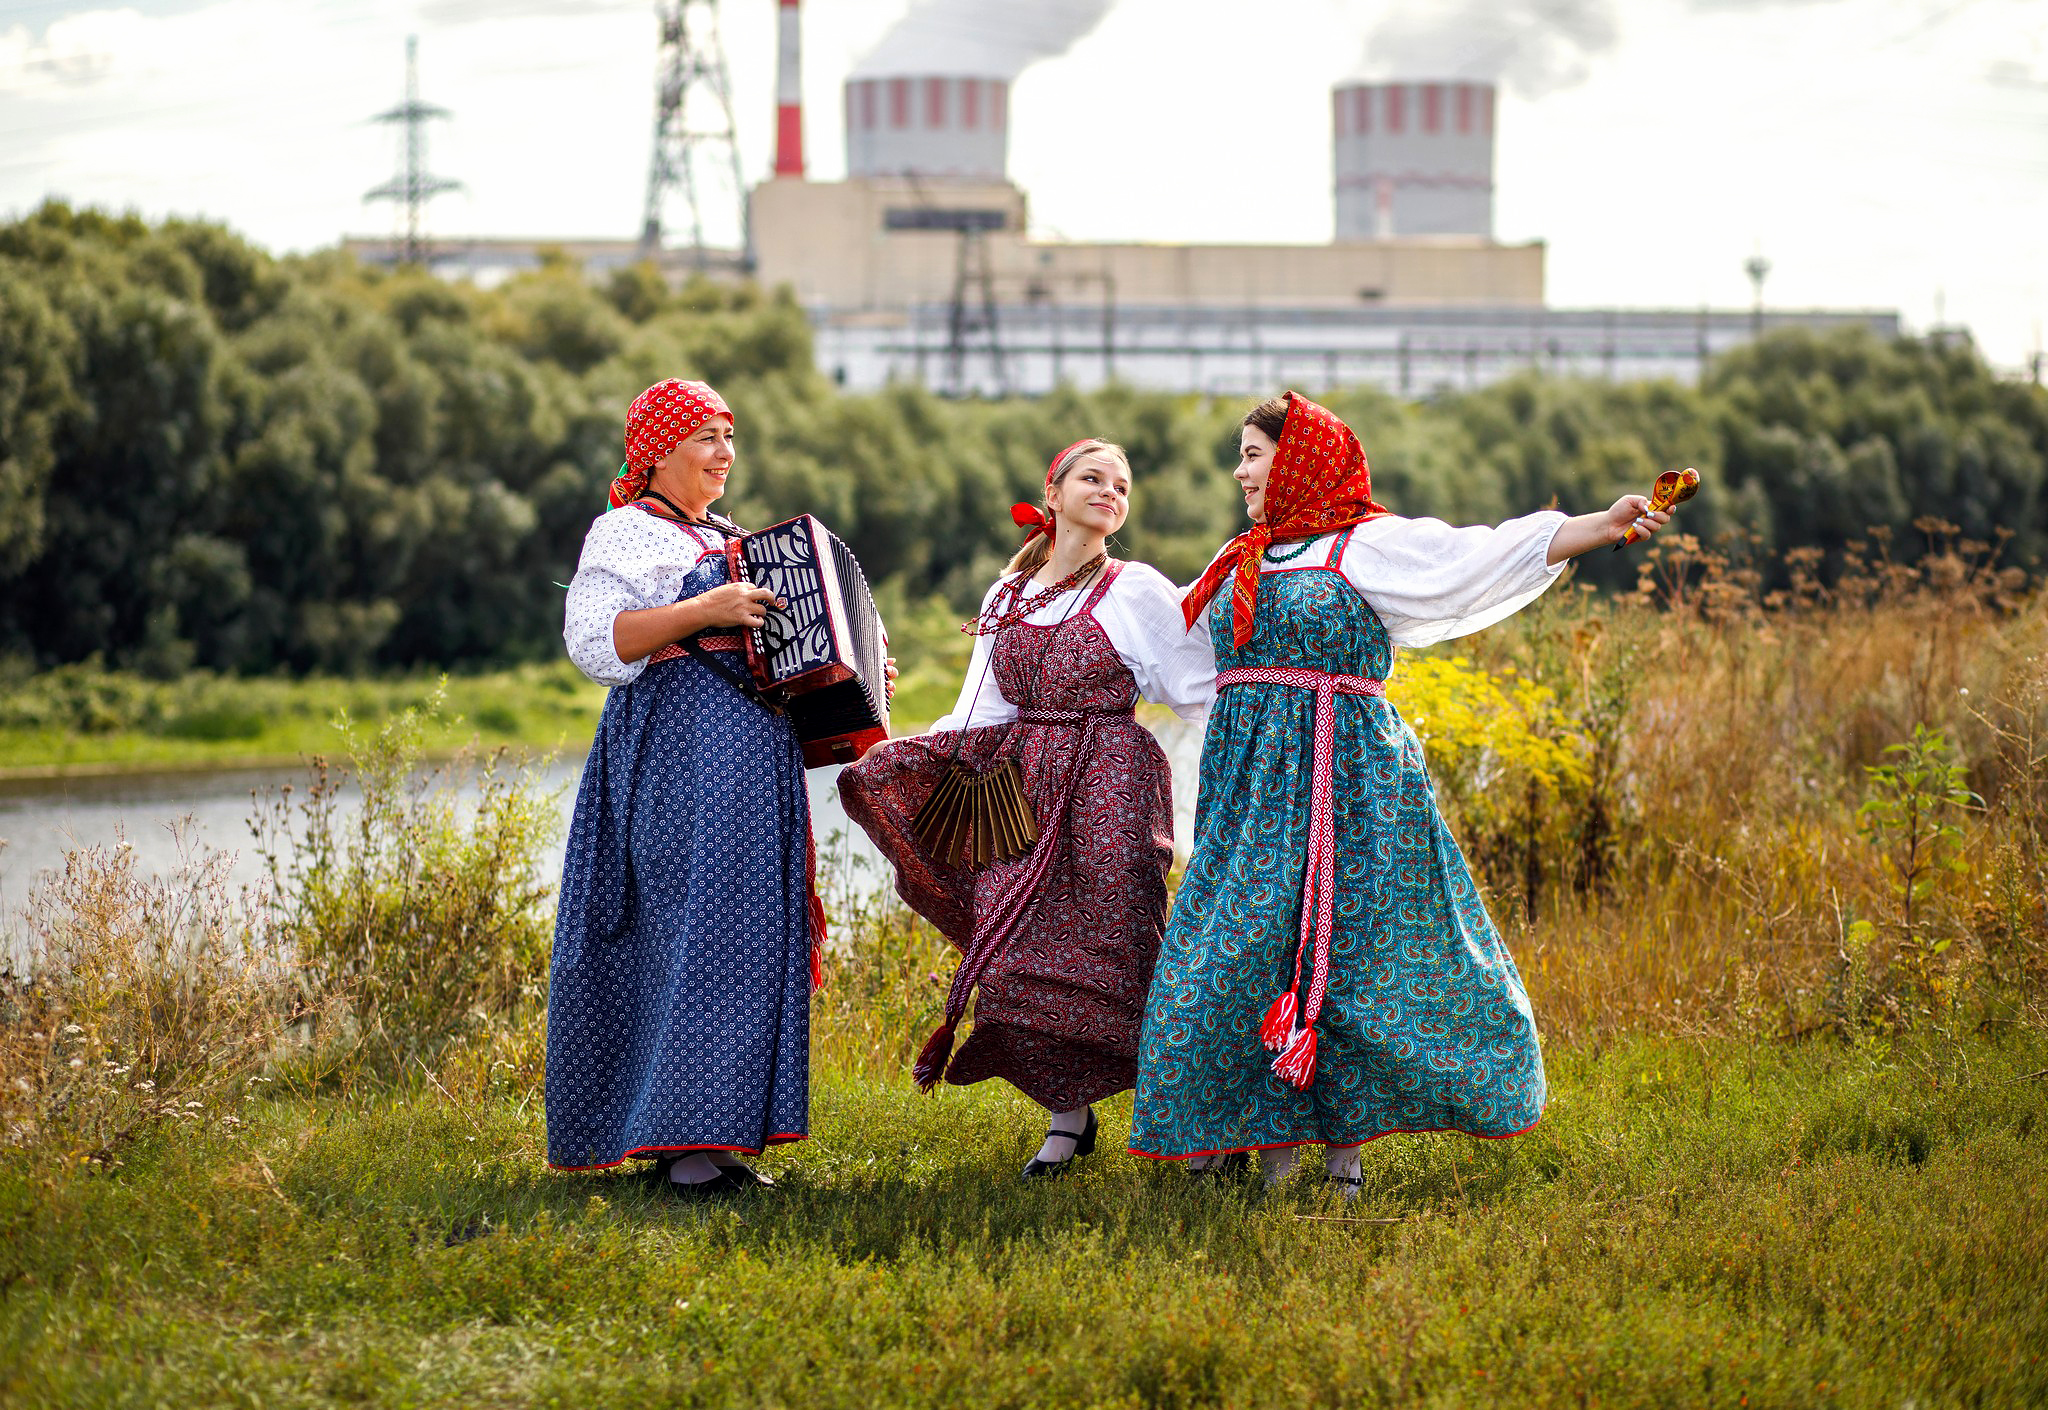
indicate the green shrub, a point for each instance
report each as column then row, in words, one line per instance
column 215, row 722
column 499, row 719
column 425, row 910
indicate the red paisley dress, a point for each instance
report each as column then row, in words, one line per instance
column 1061, row 941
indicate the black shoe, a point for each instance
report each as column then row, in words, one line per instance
column 726, row 1182
column 1347, row 1186
column 746, row 1176
column 1084, row 1144
column 1233, row 1166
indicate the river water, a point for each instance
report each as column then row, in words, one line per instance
column 42, row 819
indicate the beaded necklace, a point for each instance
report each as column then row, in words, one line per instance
column 992, row 621
column 1274, row 555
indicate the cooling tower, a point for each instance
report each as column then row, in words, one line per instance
column 932, row 126
column 1413, row 159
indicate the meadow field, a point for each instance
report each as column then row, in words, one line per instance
column 1771, row 860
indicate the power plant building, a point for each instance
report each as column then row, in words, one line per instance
column 920, row 265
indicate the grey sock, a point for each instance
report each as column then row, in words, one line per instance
column 693, row 1169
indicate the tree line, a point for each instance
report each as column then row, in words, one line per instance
column 211, row 457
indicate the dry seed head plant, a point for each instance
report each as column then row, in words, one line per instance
column 1823, row 804
column 145, row 1001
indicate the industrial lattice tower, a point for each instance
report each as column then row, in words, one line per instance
column 695, row 140
column 412, row 187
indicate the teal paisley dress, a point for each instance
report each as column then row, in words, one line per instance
column 1425, row 1025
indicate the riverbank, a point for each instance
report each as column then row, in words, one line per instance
column 80, row 723
column 1695, row 1222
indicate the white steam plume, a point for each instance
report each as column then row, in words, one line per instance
column 1532, row 46
column 980, row 38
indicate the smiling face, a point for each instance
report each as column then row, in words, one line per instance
column 695, row 472
column 1254, row 464
column 1094, row 496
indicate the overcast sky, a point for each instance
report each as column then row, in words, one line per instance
column 1881, row 153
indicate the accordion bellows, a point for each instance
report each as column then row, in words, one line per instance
column 973, row 819
column 820, row 657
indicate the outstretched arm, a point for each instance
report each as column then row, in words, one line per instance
column 1586, row 532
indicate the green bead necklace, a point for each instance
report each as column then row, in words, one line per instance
column 1274, row 555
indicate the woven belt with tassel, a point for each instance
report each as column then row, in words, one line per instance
column 1290, row 1025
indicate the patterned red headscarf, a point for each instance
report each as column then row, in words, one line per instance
column 1033, row 516
column 1319, row 483
column 660, row 419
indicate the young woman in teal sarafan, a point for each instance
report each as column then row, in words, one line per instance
column 1329, row 973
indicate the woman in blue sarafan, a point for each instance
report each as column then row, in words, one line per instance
column 1329, row 973
column 686, row 937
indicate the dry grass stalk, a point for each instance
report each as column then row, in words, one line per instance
column 147, row 1000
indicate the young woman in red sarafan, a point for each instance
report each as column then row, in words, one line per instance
column 1059, row 940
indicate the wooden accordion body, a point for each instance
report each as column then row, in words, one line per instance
column 820, row 657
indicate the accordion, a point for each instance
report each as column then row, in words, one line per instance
column 820, row 657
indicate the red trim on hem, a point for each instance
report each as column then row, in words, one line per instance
column 1399, row 1131
column 780, row 1138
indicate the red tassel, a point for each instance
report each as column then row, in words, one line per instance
column 931, row 1063
column 1297, row 1066
column 817, row 968
column 1279, row 1022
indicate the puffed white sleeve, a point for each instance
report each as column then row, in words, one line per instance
column 1430, row 582
column 628, row 562
column 981, row 700
column 1174, row 666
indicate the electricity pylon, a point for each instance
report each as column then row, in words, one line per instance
column 413, row 186
column 693, row 126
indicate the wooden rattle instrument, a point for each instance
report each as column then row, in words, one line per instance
column 1673, row 488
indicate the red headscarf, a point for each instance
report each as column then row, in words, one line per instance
column 1033, row 516
column 1319, row 483
column 660, row 419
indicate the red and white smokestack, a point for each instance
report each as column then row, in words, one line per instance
column 789, row 97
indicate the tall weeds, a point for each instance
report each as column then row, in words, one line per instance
column 1731, row 834
column 146, row 1000
column 423, row 912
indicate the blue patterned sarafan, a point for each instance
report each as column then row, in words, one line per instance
column 1425, row 1026
column 679, row 1001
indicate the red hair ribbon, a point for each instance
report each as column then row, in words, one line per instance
column 1319, row 483
column 1033, row 516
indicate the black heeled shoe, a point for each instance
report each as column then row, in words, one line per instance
column 1084, row 1144
column 727, row 1182
column 746, row 1175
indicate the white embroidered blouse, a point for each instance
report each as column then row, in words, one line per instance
column 630, row 560
column 1430, row 582
column 1140, row 614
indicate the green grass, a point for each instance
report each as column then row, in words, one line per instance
column 107, row 723
column 95, row 722
column 1693, row 1223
